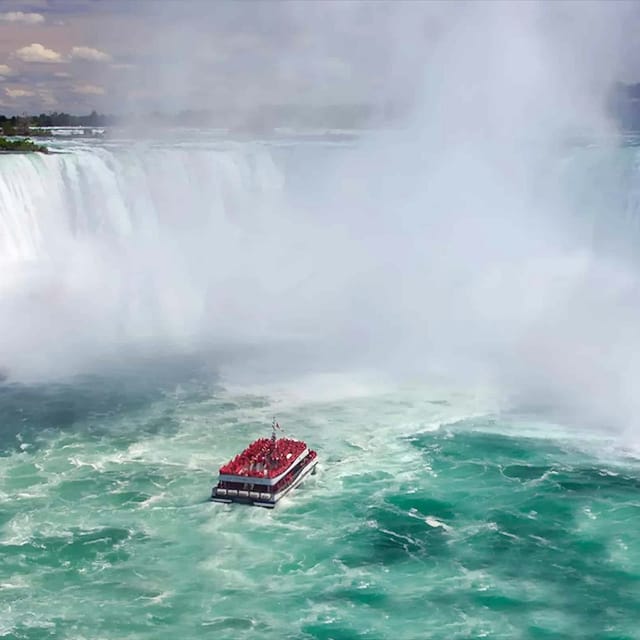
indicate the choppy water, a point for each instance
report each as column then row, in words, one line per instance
column 430, row 517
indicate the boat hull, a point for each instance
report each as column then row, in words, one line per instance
column 264, row 499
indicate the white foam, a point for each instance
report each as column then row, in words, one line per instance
column 435, row 523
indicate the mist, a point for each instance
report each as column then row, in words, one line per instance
column 454, row 243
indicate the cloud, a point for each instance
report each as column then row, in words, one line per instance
column 6, row 71
column 89, row 89
column 37, row 53
column 62, row 74
column 19, row 16
column 87, row 53
column 47, row 98
column 19, row 93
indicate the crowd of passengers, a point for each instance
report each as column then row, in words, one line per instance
column 283, row 482
column 264, row 457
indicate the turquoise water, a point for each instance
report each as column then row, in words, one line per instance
column 431, row 517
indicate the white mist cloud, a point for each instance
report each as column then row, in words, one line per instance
column 488, row 261
column 89, row 89
column 464, row 241
column 38, row 53
column 19, row 92
column 6, row 71
column 89, row 54
column 20, row 16
column 47, row 98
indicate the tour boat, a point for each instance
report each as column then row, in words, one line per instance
column 265, row 471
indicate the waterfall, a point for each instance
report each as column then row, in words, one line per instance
column 180, row 244
column 49, row 204
column 100, row 245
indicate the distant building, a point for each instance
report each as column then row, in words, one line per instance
column 71, row 131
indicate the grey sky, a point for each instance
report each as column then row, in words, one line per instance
column 123, row 55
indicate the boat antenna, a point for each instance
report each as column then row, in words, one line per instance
column 274, row 425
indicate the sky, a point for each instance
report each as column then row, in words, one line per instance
column 122, row 56
column 128, row 55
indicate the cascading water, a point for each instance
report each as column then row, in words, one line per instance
column 135, row 242
column 181, row 244
column 123, row 197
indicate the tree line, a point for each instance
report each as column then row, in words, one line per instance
column 24, row 124
column 623, row 105
column 258, row 118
